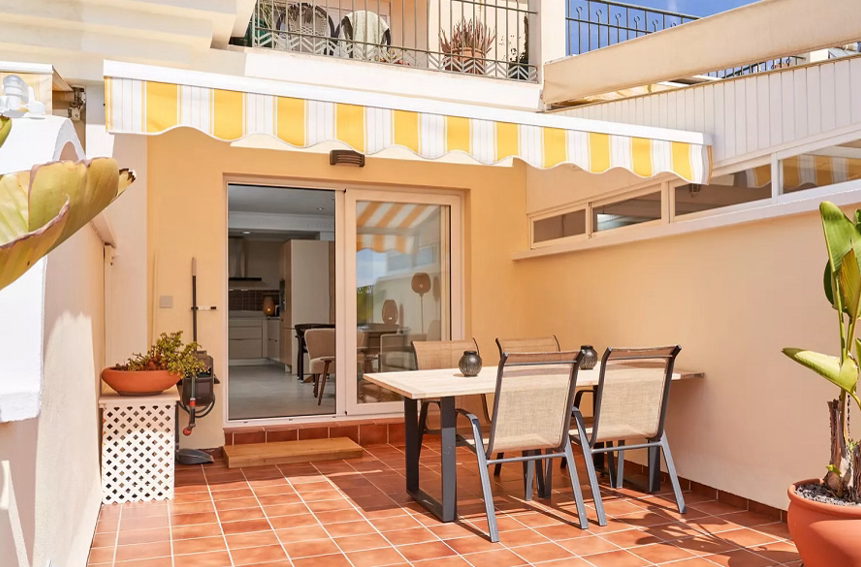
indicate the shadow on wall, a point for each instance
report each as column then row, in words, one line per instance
column 17, row 494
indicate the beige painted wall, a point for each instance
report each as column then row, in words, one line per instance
column 49, row 466
column 732, row 297
column 186, row 216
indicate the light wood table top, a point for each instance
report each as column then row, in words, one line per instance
column 430, row 384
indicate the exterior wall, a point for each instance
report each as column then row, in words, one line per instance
column 49, row 466
column 187, row 216
column 732, row 297
column 754, row 115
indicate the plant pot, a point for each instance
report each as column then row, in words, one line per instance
column 139, row 382
column 465, row 60
column 826, row 535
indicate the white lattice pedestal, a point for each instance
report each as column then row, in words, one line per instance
column 138, row 436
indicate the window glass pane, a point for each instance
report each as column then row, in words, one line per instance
column 731, row 189
column 637, row 210
column 835, row 164
column 560, row 226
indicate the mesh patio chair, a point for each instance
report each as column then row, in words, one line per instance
column 531, row 416
column 308, row 28
column 631, row 403
column 433, row 355
column 533, row 344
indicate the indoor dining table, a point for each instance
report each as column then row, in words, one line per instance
column 445, row 385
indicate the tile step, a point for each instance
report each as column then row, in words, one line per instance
column 287, row 452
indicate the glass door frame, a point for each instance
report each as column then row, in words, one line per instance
column 346, row 307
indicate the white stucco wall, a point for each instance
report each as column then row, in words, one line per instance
column 49, row 466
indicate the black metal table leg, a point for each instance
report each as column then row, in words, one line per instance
column 448, row 417
column 411, row 444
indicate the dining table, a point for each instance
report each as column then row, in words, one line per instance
column 445, row 385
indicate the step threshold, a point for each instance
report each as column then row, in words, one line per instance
column 288, row 452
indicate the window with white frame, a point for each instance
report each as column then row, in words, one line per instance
column 627, row 212
column 819, row 168
column 745, row 186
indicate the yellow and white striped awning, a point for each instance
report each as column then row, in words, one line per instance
column 383, row 227
column 150, row 100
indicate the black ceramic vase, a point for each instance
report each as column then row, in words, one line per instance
column 590, row 357
column 470, row 363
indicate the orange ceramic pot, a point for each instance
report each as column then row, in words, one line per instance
column 825, row 535
column 139, row 382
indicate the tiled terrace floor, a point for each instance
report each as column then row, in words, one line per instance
column 356, row 513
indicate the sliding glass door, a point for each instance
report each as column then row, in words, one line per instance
column 403, row 284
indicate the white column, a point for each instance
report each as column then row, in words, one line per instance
column 126, row 277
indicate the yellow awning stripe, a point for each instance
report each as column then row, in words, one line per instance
column 136, row 106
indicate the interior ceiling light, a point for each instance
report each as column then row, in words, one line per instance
column 320, row 208
column 246, row 232
column 346, row 157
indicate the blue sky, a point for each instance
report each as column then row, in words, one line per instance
column 692, row 7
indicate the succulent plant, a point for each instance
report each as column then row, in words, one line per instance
column 41, row 208
column 168, row 353
column 467, row 35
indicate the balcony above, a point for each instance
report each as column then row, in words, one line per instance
column 483, row 38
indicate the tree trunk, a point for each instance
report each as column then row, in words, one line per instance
column 836, row 481
column 855, row 469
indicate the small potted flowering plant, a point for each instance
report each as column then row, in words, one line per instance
column 162, row 366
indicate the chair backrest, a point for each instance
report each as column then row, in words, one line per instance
column 320, row 342
column 532, row 401
column 434, row 355
column 633, row 388
column 535, row 344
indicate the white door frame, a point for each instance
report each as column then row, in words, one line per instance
column 348, row 299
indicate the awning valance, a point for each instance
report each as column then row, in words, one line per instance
column 150, row 100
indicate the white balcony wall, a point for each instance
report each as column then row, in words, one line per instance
column 50, row 488
column 751, row 116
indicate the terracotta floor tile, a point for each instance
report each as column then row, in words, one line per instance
column 704, row 545
column 567, row 562
column 245, row 526
column 361, row 542
column 415, row 535
column 273, row 499
column 516, row 538
column 780, row 552
column 695, row 562
column 631, row 538
column 191, row 508
column 159, row 562
column 189, row 519
column 104, row 539
column 471, row 544
column 197, row 530
column 590, row 545
column 301, row 533
column 338, row 516
column 143, row 551
column 101, row 555
column 216, row 559
column 351, row 528
column 128, row 537
column 396, row 523
column 285, row 509
column 143, row 523
column 236, row 503
column 661, row 552
column 334, row 560
column 241, row 514
column 429, row 550
column 542, row 552
column 740, row 558
column 746, row 537
column 284, row 522
column 251, row 539
column 376, row 557
column 311, row 548
column 232, row 494
column 501, row 558
column 253, row 555
column 617, row 559
column 198, row 545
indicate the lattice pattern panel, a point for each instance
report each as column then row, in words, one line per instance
column 138, row 453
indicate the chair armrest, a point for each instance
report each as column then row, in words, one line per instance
column 476, row 427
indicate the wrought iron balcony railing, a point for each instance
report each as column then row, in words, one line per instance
column 592, row 24
column 488, row 38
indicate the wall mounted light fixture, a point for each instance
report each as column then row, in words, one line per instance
column 346, row 157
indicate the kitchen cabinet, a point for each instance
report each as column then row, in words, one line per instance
column 273, row 339
column 246, row 339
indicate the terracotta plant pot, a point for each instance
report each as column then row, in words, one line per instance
column 825, row 535
column 139, row 382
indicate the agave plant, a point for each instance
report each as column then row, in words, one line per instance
column 843, row 290
column 467, row 35
column 41, row 208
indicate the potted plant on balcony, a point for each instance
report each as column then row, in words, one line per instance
column 518, row 63
column 162, row 366
column 466, row 51
column 825, row 515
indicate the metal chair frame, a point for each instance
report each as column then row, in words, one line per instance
column 656, row 445
column 528, row 457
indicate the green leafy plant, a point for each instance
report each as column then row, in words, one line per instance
column 168, row 353
column 843, row 291
column 42, row 207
